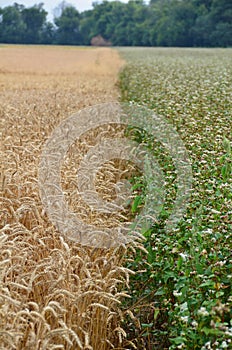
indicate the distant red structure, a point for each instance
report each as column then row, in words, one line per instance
column 100, row 41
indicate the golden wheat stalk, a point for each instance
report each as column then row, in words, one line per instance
column 55, row 294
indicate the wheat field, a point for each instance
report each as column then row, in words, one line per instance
column 54, row 294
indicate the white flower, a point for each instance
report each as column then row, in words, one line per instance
column 229, row 332
column 184, row 306
column 224, row 345
column 195, row 324
column 208, row 345
column 184, row 319
column 208, row 230
column 176, row 293
column 203, row 311
column 183, row 256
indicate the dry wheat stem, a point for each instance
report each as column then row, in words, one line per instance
column 54, row 294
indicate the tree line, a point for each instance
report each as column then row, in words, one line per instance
column 183, row 23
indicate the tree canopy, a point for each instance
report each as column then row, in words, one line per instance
column 183, row 23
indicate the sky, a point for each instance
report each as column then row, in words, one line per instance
column 49, row 5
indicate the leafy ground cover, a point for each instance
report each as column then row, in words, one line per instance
column 182, row 288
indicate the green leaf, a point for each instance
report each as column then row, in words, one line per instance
column 179, row 340
column 226, row 145
column 160, row 291
column 226, row 171
column 207, row 284
column 147, row 325
column 137, row 186
column 213, row 331
column 156, row 313
column 136, row 203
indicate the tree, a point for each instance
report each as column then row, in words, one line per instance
column 68, row 27
column 48, row 33
column 87, row 23
column 135, row 23
column 161, row 23
column 34, row 18
column 221, row 18
column 173, row 23
column 202, row 31
column 222, row 35
column 213, row 26
column 57, row 12
column 12, row 26
column 122, row 24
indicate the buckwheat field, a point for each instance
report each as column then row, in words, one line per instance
column 172, row 288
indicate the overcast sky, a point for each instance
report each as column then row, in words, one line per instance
column 49, row 5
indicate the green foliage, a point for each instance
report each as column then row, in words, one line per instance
column 174, row 23
column 12, row 26
column 22, row 25
column 34, row 19
column 182, row 288
column 68, row 23
column 136, row 23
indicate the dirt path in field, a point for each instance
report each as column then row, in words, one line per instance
column 54, row 294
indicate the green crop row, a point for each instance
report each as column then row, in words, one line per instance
column 181, row 292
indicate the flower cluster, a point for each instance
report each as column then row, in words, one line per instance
column 188, row 270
